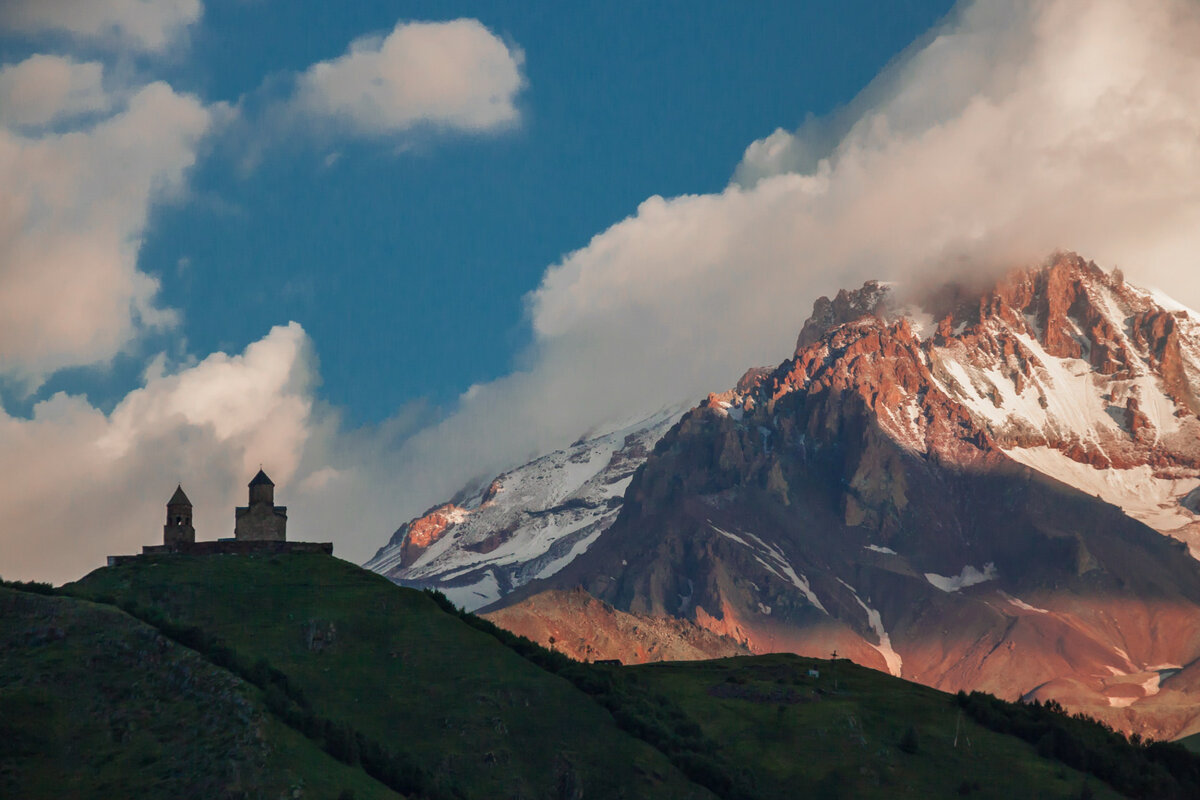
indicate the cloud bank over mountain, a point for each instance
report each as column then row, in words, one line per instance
column 997, row 138
column 1003, row 135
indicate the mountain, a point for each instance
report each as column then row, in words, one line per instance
column 527, row 523
column 303, row 676
column 975, row 487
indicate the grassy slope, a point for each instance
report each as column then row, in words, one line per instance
column 395, row 667
column 95, row 704
column 797, row 731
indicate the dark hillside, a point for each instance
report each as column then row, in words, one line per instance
column 469, row 710
column 95, row 704
column 387, row 666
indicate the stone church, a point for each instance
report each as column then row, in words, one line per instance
column 259, row 527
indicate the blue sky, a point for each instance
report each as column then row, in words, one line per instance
column 407, row 258
column 391, row 250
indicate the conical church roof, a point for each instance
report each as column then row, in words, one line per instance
column 261, row 479
column 179, row 498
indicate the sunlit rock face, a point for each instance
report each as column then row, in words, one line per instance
column 586, row 629
column 990, row 488
column 1065, row 369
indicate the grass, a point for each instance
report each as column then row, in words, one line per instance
column 340, row 663
column 391, row 665
column 850, row 742
column 94, row 704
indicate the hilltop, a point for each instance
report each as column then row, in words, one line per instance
column 470, row 716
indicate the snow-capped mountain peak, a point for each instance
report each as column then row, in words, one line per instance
column 527, row 523
column 1066, row 369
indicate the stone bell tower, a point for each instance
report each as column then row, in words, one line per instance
column 178, row 529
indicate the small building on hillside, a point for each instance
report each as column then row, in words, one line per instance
column 260, row 527
column 262, row 520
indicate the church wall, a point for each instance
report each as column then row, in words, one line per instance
column 260, row 523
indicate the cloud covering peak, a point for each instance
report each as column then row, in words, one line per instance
column 1011, row 131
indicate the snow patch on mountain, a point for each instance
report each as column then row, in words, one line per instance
column 1139, row 491
column 1021, row 604
column 969, row 576
column 473, row 595
column 895, row 663
column 1171, row 304
column 779, row 566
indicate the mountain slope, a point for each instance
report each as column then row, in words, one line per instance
column 916, row 488
column 527, row 523
column 584, row 628
column 853, row 732
column 95, row 704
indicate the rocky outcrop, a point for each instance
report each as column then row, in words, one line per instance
column 416, row 536
column 847, row 306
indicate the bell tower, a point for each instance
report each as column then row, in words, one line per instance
column 178, row 529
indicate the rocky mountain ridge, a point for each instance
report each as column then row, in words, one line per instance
column 970, row 491
column 1061, row 368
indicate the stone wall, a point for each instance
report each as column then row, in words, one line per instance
column 260, row 522
column 225, row 547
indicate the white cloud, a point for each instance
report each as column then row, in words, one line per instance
column 148, row 25
column 73, row 211
column 455, row 74
column 80, row 484
column 44, row 89
column 1014, row 130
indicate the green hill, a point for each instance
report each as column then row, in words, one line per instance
column 304, row 676
column 872, row 736
column 471, row 717
column 95, row 704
